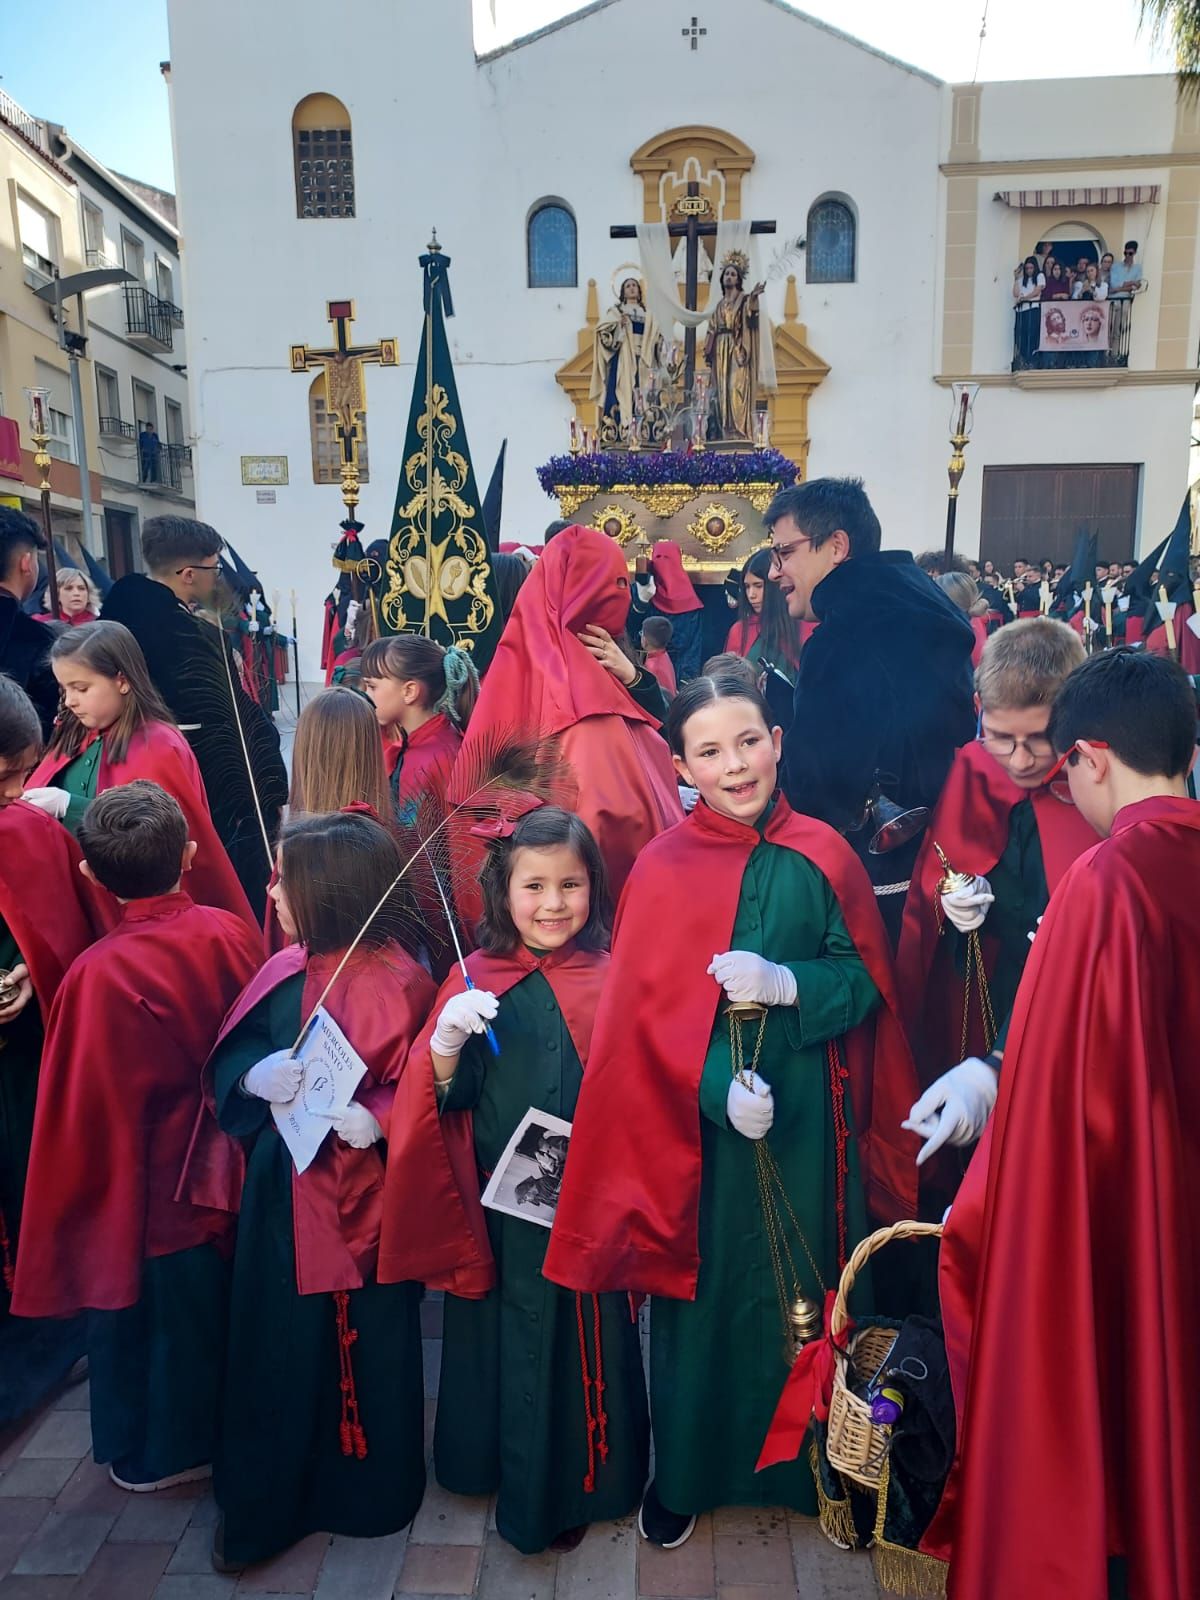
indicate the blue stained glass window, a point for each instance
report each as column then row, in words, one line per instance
column 552, row 248
column 830, row 245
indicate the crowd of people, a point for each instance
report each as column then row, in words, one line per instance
column 764, row 943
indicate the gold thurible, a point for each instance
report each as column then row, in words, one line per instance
column 951, row 882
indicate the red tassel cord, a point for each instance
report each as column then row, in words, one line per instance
column 596, row 1419
column 353, row 1437
column 6, row 1260
column 841, row 1139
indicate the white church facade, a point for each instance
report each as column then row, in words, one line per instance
column 316, row 151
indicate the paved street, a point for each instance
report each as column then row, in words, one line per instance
column 66, row 1531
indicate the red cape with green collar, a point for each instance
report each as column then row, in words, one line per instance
column 426, row 758
column 1070, row 1265
column 628, row 1216
column 160, row 753
column 378, row 1002
column 970, row 822
column 431, row 1172
column 120, row 1087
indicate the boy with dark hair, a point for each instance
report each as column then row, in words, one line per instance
column 883, row 694
column 1009, row 839
column 246, row 783
column 24, row 642
column 656, row 636
column 130, row 1030
column 1070, row 1266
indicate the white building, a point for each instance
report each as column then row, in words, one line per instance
column 136, row 351
column 524, row 157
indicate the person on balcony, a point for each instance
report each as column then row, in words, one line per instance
column 1057, row 285
column 149, row 450
column 1090, row 286
column 1125, row 279
column 1027, row 291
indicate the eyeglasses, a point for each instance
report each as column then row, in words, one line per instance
column 1037, row 747
column 781, row 552
column 197, row 566
column 1096, row 744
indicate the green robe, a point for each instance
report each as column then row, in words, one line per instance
column 717, row 1364
column 79, row 780
column 510, row 1404
column 279, row 1470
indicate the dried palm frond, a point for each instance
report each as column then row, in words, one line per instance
column 1177, row 22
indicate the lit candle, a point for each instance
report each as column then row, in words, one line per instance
column 574, row 441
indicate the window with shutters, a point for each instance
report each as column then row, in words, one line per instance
column 323, row 150
column 39, row 236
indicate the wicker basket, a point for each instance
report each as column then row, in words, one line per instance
column 855, row 1445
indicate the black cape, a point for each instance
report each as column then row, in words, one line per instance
column 25, row 657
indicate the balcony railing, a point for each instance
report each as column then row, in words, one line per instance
column 97, row 258
column 1050, row 335
column 147, row 318
column 162, row 466
column 118, row 427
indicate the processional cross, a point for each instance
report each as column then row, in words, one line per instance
column 698, row 224
column 345, row 387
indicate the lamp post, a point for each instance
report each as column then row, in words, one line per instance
column 962, row 418
column 39, row 429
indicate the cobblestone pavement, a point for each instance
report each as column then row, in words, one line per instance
column 66, row 1531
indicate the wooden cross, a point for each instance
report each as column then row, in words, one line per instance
column 694, row 33
column 699, row 224
column 345, row 387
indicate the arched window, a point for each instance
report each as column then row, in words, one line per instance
column 324, row 156
column 830, row 241
column 551, row 246
column 326, row 447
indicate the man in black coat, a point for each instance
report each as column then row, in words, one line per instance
column 884, row 695
column 193, row 668
column 24, row 643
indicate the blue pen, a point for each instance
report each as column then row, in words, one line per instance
column 492, row 1040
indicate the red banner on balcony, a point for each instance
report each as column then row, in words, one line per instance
column 10, row 449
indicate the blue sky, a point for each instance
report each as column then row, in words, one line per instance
column 93, row 65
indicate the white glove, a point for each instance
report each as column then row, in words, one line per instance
column 955, row 1109
column 644, row 584
column 750, row 1111
column 461, row 1016
column 688, row 797
column 1032, row 934
column 52, row 801
column 966, row 908
column 355, row 1126
column 750, row 978
column 275, row 1078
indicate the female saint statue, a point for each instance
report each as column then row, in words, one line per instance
column 731, row 349
column 627, row 350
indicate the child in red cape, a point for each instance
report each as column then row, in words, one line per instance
column 1070, row 1266
column 128, row 1034
column 114, row 727
column 322, row 1425
column 661, row 1194
column 995, row 816
column 423, row 695
column 48, row 916
column 542, row 1396
column 546, row 676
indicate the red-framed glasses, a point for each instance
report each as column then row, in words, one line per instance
column 1096, row 744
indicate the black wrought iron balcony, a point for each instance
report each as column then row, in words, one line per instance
column 118, row 428
column 1050, row 335
column 148, row 320
column 162, row 466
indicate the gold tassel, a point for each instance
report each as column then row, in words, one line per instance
column 835, row 1516
column 898, row 1569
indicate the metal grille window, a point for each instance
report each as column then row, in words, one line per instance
column 324, row 172
column 551, row 245
column 830, row 243
column 326, row 450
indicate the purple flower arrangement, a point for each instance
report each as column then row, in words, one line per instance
column 648, row 468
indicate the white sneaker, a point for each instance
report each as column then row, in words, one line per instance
column 192, row 1475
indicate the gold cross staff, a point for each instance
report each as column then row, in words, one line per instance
column 345, row 388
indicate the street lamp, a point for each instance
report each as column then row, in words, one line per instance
column 962, row 418
column 54, row 293
column 39, row 428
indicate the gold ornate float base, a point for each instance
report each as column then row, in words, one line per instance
column 715, row 525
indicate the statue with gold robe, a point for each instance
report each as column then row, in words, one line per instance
column 627, row 350
column 732, row 352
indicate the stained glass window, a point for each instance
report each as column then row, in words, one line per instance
column 552, row 248
column 830, row 247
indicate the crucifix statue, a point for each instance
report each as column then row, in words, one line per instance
column 345, row 388
column 698, row 223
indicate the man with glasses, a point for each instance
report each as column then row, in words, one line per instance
column 883, row 693
column 1010, row 837
column 204, row 692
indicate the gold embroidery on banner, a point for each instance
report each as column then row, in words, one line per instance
column 716, row 527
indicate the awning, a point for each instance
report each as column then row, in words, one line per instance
column 1138, row 194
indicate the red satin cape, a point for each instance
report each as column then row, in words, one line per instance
column 379, row 1002
column 970, row 822
column 1070, row 1268
column 674, row 595
column 160, row 753
column 428, row 754
column 629, row 1212
column 120, row 1088
column 48, row 906
column 431, row 1174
